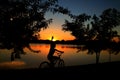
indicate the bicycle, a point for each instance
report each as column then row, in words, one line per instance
column 56, row 62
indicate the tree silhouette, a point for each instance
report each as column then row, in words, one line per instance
column 22, row 20
column 100, row 28
column 103, row 26
column 98, row 33
column 76, row 27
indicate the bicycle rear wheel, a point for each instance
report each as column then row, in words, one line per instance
column 44, row 64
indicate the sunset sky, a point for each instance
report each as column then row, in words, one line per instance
column 76, row 7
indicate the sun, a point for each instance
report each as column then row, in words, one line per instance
column 53, row 39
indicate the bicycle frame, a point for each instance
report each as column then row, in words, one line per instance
column 58, row 62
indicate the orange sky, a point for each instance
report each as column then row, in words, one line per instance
column 76, row 7
column 55, row 28
column 57, row 33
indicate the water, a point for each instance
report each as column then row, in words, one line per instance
column 73, row 55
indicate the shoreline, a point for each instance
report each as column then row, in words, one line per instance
column 104, row 64
column 87, row 67
column 77, row 72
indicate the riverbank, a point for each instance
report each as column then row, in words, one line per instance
column 92, row 70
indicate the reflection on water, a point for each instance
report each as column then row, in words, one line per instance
column 73, row 55
column 12, row 65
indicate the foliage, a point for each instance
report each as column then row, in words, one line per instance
column 103, row 25
column 22, row 20
column 76, row 27
column 100, row 28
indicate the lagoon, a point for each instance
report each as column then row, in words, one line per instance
column 73, row 55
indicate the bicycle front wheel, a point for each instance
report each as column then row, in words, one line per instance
column 44, row 64
column 61, row 63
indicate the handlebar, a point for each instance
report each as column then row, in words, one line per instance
column 59, row 53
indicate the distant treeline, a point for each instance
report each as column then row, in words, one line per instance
column 58, row 41
column 76, row 42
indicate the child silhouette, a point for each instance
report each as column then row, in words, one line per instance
column 52, row 50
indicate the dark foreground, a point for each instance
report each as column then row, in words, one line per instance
column 91, row 71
